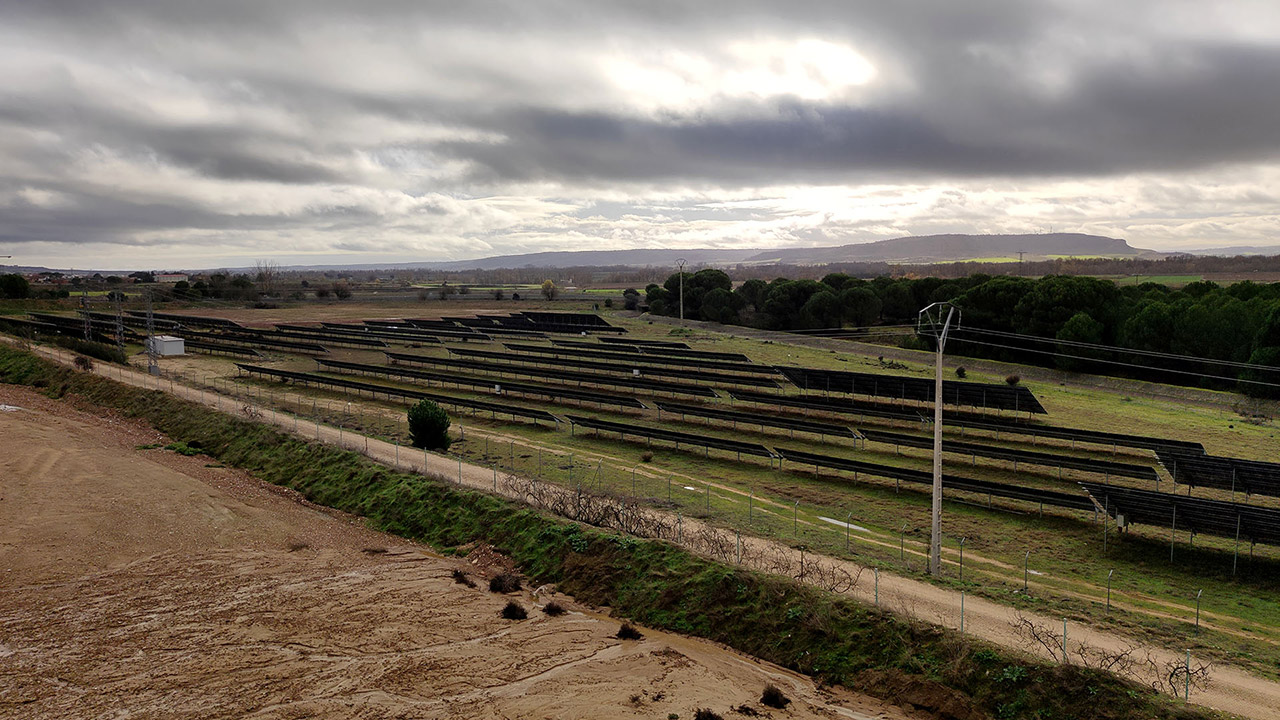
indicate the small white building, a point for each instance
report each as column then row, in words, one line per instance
column 166, row 345
column 170, row 277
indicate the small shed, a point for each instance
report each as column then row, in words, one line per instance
column 166, row 345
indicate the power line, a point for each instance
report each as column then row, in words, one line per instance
column 1124, row 364
column 1120, row 350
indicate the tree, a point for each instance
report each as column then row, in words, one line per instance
column 899, row 302
column 428, row 426
column 753, row 293
column 860, row 306
column 341, row 290
column 14, row 287
column 268, row 276
column 720, row 306
column 821, row 310
column 630, row 299
column 497, row 294
column 1080, row 328
column 549, row 290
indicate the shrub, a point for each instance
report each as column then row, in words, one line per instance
column 462, row 578
column 95, row 350
column 705, row 714
column 961, row 372
column 646, row 456
column 773, row 697
column 515, row 296
column 628, row 632
column 504, row 583
column 428, row 426
column 608, row 302
column 553, row 608
column 84, row 363
column 1013, row 379
column 514, row 611
column 342, row 291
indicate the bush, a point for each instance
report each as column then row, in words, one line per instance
column 1013, row 380
column 553, row 608
column 705, row 714
column 514, row 611
column 961, row 372
column 628, row 632
column 608, row 302
column 773, row 697
column 428, row 426
column 462, row 578
column 95, row 350
column 83, row 363
column 504, row 583
column 646, row 456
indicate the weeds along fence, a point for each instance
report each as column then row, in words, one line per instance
column 645, row 502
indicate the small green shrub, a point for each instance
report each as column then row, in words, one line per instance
column 429, row 426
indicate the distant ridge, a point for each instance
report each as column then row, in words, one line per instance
column 950, row 248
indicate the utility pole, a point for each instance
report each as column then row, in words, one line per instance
column 84, row 310
column 935, row 320
column 119, row 323
column 1020, row 254
column 680, row 264
column 153, row 364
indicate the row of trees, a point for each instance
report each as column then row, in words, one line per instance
column 1236, row 323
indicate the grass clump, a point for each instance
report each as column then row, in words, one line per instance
column 774, row 698
column 514, row 611
column 462, row 578
column 554, row 609
column 504, row 583
column 628, row 632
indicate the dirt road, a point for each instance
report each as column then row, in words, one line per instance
column 1232, row 690
column 144, row 583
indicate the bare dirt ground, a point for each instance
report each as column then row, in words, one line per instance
column 146, row 584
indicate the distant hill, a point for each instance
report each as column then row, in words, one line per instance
column 950, row 248
column 598, row 258
column 1235, row 250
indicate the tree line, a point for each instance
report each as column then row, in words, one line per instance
column 1235, row 323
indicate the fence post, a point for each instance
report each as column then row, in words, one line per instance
column 1109, row 574
column 961, row 612
column 1026, row 566
column 1198, row 594
column 1064, row 642
column 795, row 519
column 1186, row 692
column 876, row 572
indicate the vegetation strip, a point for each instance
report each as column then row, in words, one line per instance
column 653, row 582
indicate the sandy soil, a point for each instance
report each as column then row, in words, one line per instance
column 142, row 583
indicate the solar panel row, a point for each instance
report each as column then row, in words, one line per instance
column 1101, row 467
column 1212, row 517
column 654, row 343
column 642, row 359
column 489, row 384
column 703, row 441
column 619, row 366
column 188, row 320
column 985, row 487
column 322, row 381
column 954, row 392
column 397, row 338
column 408, row 332
column 655, row 386
column 238, row 338
column 1248, row 476
column 762, row 420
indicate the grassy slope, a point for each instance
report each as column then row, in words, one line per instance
column 652, row 582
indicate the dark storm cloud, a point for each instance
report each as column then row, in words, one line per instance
column 466, row 99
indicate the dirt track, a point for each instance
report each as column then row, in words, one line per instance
column 1232, row 690
column 147, row 584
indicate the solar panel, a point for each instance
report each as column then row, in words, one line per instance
column 321, row 380
column 330, row 338
column 490, row 385
column 1096, row 437
column 397, row 338
column 952, row 482
column 604, row 354
column 1252, row 477
column 188, row 320
column 704, row 441
column 252, row 339
column 633, row 341
column 1211, row 517
column 408, row 332
column 617, row 366
column 1102, row 467
column 215, row 347
column 954, row 392
column 860, row 408
column 763, row 420
column 655, row 386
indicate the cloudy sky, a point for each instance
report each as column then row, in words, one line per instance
column 169, row 133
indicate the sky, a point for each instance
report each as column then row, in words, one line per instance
column 175, row 134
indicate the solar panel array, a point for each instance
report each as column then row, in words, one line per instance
column 655, row 386
column 952, row 482
column 704, row 441
column 849, row 406
column 954, row 392
column 654, row 343
column 1101, row 467
column 1248, row 476
column 408, row 333
column 188, row 320
column 687, row 373
column 322, row 381
column 1211, row 517
column 819, row 428
column 251, row 339
column 217, row 347
column 491, row 385
column 643, row 359
column 654, row 350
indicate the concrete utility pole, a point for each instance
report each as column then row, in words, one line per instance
column 935, row 320
column 680, row 264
